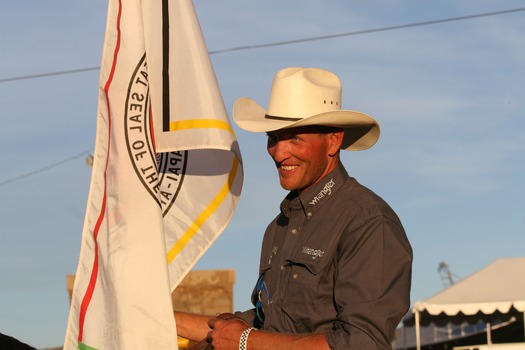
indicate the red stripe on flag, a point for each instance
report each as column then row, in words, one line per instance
column 94, row 272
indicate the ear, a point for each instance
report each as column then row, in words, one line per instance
column 335, row 141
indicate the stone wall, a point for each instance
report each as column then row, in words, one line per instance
column 205, row 292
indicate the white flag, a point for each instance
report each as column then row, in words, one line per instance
column 167, row 177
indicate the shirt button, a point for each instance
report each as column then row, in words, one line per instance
column 309, row 214
column 294, row 231
column 282, row 267
column 295, row 276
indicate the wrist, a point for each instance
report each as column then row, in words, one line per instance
column 243, row 341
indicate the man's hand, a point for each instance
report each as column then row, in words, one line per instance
column 226, row 330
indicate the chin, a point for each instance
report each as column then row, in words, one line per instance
column 287, row 187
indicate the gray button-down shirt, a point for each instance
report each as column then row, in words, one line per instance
column 337, row 261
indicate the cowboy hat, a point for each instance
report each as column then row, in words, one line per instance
column 307, row 96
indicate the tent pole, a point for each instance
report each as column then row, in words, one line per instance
column 488, row 328
column 523, row 325
column 418, row 338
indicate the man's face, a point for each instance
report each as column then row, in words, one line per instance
column 303, row 155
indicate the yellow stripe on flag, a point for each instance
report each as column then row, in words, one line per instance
column 201, row 124
column 206, row 213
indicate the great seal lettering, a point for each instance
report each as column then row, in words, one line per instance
column 161, row 174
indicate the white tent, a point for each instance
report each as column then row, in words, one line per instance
column 494, row 293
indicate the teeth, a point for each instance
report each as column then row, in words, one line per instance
column 288, row 167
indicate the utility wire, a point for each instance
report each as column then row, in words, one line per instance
column 249, row 47
column 366, row 31
column 72, row 71
column 54, row 165
column 296, row 41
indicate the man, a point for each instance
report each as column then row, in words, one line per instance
column 335, row 266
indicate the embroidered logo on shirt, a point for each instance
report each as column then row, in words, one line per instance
column 272, row 254
column 326, row 191
column 314, row 253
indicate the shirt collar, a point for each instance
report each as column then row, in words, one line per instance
column 311, row 200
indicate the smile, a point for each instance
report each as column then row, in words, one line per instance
column 288, row 167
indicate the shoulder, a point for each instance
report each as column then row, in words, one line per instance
column 367, row 214
column 360, row 200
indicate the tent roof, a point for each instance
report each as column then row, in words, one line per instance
column 497, row 289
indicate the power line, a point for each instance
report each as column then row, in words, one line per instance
column 248, row 47
column 367, row 31
column 34, row 172
column 33, row 76
column 296, row 41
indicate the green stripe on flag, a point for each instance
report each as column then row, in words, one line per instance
column 82, row 346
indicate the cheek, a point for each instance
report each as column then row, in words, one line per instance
column 319, row 160
column 270, row 149
column 318, row 154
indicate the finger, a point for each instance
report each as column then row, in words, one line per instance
column 209, row 337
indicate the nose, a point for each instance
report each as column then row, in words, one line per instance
column 278, row 150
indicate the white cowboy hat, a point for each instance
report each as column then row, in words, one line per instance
column 307, row 96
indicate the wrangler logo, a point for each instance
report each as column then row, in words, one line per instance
column 314, row 253
column 326, row 191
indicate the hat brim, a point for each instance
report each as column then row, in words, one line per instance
column 361, row 131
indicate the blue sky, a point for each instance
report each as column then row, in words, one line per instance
column 450, row 99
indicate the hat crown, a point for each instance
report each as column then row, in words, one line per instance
column 303, row 97
column 303, row 92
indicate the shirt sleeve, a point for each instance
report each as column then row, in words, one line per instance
column 372, row 288
column 248, row 316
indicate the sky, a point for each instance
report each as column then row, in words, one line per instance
column 450, row 99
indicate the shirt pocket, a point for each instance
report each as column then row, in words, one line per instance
column 308, row 278
column 308, row 299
